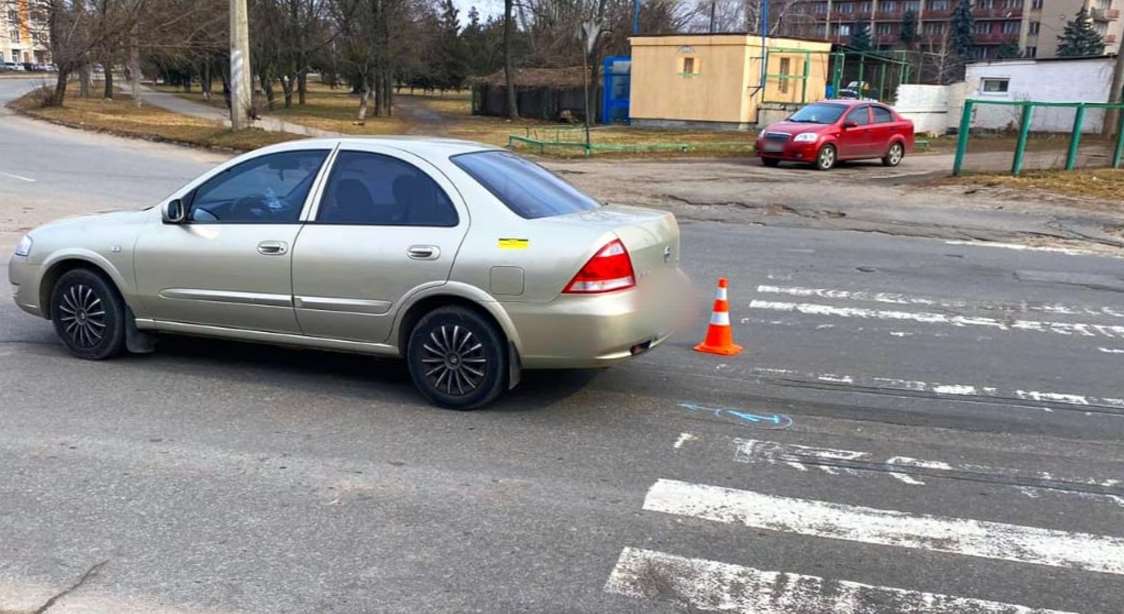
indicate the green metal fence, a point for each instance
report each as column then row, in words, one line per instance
column 1025, row 112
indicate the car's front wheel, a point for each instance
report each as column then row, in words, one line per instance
column 894, row 155
column 770, row 161
column 457, row 358
column 88, row 314
column 827, row 158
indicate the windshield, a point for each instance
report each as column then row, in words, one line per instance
column 819, row 113
column 526, row 188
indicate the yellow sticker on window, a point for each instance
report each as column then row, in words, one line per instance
column 509, row 243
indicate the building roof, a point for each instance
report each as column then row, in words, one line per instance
column 567, row 77
column 1108, row 56
column 739, row 34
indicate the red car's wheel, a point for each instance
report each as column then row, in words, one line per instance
column 894, row 156
column 826, row 159
column 770, row 161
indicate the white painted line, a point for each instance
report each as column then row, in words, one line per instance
column 897, row 298
column 19, row 177
column 993, row 540
column 711, row 586
column 972, row 390
column 1026, row 248
column 1061, row 328
column 1111, row 350
column 909, row 470
column 683, row 438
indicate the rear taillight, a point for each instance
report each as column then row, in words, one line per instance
column 609, row 269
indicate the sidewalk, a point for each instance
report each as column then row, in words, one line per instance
column 176, row 104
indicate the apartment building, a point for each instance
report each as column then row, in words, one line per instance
column 23, row 33
column 1032, row 25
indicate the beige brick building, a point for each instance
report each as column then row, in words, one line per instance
column 23, row 33
column 1033, row 25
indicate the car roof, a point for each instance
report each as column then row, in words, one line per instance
column 426, row 147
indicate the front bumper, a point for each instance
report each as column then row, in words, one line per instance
column 804, row 151
column 24, row 278
column 577, row 332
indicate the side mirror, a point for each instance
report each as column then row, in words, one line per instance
column 174, row 212
column 850, row 124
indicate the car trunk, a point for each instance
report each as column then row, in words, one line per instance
column 650, row 236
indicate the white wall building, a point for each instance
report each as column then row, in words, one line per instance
column 1040, row 80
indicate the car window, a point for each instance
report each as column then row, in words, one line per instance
column 819, row 113
column 526, row 188
column 269, row 189
column 882, row 115
column 368, row 188
column 859, row 116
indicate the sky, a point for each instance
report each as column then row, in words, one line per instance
column 486, row 8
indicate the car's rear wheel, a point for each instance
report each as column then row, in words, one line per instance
column 88, row 314
column 457, row 358
column 894, row 155
column 770, row 161
column 827, row 158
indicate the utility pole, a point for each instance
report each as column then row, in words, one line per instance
column 1111, row 117
column 241, row 79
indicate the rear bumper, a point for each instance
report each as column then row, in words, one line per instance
column 576, row 332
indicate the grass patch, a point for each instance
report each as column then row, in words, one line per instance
column 1100, row 184
column 122, row 117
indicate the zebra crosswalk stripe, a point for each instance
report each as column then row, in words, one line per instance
column 713, row 586
column 993, row 540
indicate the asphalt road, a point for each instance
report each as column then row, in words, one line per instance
column 911, row 418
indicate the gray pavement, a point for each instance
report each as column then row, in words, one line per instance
column 967, row 396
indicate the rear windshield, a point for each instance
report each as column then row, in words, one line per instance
column 819, row 113
column 526, row 188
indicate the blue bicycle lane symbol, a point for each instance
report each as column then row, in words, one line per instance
column 765, row 421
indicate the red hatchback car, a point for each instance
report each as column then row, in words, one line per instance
column 826, row 132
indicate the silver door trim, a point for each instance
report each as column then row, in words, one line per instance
column 261, row 336
column 346, row 305
column 228, row 296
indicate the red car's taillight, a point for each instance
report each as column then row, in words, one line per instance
column 609, row 269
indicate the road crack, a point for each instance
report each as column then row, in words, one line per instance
column 90, row 573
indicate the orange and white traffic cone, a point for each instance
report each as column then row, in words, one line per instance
column 720, row 335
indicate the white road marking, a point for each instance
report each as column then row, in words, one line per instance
column 950, row 389
column 1069, row 251
column 19, row 177
column 714, row 586
column 897, row 298
column 1111, row 350
column 1060, row 328
column 683, row 438
column 993, row 540
column 909, row 470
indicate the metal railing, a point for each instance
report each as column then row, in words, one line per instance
column 1026, row 117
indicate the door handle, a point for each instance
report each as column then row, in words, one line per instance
column 272, row 248
column 424, row 252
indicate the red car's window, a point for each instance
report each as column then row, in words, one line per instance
column 860, row 116
column 882, row 115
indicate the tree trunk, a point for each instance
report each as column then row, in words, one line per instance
column 287, row 89
column 134, row 70
column 361, row 117
column 108, row 68
column 84, row 81
column 378, row 93
column 205, row 80
column 60, row 88
column 302, row 87
column 508, row 68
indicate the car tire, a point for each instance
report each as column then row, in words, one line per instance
column 457, row 358
column 770, row 162
column 894, row 156
column 826, row 158
column 88, row 314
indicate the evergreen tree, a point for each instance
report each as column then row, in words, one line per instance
column 860, row 36
column 961, row 37
column 453, row 68
column 1079, row 37
column 1007, row 51
column 908, row 32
